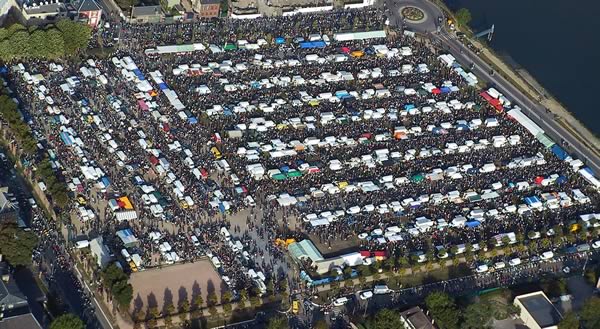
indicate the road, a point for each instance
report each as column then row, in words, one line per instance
column 465, row 56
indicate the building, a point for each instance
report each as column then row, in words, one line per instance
column 147, row 14
column 8, row 209
column 537, row 312
column 415, row 318
column 90, row 11
column 5, row 6
column 14, row 309
column 43, row 9
column 207, row 8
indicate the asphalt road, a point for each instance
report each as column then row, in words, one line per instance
column 482, row 70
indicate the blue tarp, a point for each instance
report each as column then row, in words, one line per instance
column 445, row 90
column 559, row 152
column 313, row 44
column 284, row 169
column 139, row 74
column 341, row 94
column 162, row 86
column 192, row 120
column 561, row 180
column 66, row 138
column 105, row 181
column 3, row 69
column 531, row 200
column 279, row 40
column 472, row 223
column 221, row 207
column 409, row 106
column 462, row 127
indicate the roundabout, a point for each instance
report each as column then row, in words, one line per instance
column 413, row 14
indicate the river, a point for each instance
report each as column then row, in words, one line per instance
column 554, row 40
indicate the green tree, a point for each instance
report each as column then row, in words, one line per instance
column 226, row 297
column 212, row 299
column 37, row 44
column 277, row 322
column 243, row 295
column 443, row 310
column 387, row 319
column 569, row 321
column 75, row 35
column 16, row 245
column 184, row 306
column 67, row 321
column 198, row 302
column 55, row 44
column 590, row 313
column 463, row 17
column 477, row 316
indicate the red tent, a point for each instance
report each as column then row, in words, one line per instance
column 381, row 253
column 365, row 253
column 436, row 91
column 538, row 180
column 345, row 50
column 153, row 160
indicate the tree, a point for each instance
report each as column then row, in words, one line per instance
column 243, row 295
column 114, row 277
column 184, row 306
column 67, row 321
column 16, row 245
column 463, row 17
column 569, row 321
column 443, row 310
column 477, row 316
column 198, row 302
column 277, row 322
column 387, row 319
column 212, row 299
column 226, row 297
column 590, row 313
column 75, row 35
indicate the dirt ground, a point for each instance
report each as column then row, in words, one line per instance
column 160, row 287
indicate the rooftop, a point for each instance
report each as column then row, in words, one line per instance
column 22, row 321
column 417, row 319
column 88, row 5
column 146, row 11
column 540, row 308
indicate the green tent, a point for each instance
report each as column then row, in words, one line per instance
column 417, row 178
column 230, row 46
column 279, row 177
column 294, row 173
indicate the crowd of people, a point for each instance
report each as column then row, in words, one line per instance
column 421, row 132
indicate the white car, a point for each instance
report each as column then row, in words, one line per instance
column 482, row 268
column 340, row 301
column 514, row 262
column 547, row 255
column 365, row 295
column 500, row 265
column 596, row 244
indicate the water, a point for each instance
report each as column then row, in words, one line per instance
column 556, row 41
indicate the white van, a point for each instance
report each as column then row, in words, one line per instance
column 225, row 233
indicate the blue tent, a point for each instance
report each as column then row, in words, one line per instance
column 561, row 180
column 279, row 40
column 3, row 69
column 462, row 127
column 139, row 74
column 163, row 86
column 409, row 106
column 313, row 44
column 66, row 138
column 559, row 152
column 531, row 200
column 589, row 170
column 472, row 223
column 192, row 120
column 445, row 90
column 285, row 169
column 105, row 181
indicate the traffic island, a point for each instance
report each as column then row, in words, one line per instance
column 413, row 14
